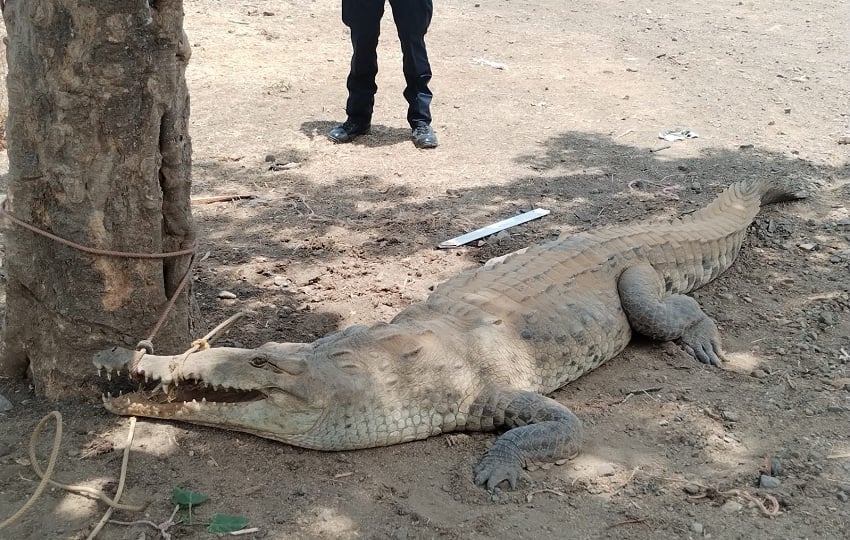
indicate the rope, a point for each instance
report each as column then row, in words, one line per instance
column 86, row 249
column 120, row 490
column 204, row 343
column 54, row 453
column 144, row 346
column 80, row 490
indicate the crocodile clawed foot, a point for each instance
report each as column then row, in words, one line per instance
column 702, row 341
column 491, row 475
column 492, row 470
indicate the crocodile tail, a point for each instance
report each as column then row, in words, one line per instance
column 774, row 191
column 740, row 202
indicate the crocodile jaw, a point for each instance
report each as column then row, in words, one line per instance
column 279, row 417
column 259, row 391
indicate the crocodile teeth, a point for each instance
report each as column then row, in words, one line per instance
column 108, row 375
column 103, row 398
column 203, row 400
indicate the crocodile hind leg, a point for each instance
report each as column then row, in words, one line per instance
column 540, row 430
column 668, row 318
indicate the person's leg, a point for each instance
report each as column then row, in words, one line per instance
column 412, row 18
column 363, row 17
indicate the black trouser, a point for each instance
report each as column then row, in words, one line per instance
column 412, row 18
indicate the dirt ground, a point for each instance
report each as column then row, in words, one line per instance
column 538, row 103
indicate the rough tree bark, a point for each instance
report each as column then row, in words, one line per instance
column 99, row 154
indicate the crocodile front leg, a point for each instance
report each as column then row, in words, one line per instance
column 540, row 430
column 675, row 317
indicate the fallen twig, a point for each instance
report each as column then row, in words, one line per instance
column 240, row 532
column 530, row 496
column 222, row 198
column 771, row 509
column 629, row 522
column 628, row 480
column 162, row 527
column 312, row 216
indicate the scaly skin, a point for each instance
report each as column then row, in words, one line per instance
column 478, row 354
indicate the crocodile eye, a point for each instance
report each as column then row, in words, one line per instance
column 258, row 362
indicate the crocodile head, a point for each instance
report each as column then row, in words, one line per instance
column 318, row 395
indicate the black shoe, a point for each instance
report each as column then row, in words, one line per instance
column 347, row 131
column 424, row 137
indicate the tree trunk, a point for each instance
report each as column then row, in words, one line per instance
column 99, row 154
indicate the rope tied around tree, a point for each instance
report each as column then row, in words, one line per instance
column 144, row 346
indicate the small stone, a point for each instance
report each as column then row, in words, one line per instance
column 503, row 235
column 692, row 489
column 730, row 416
column 697, row 528
column 726, row 296
column 808, row 412
column 827, row 318
column 730, row 507
column 758, row 373
column 5, row 404
column 769, row 482
column 401, row 534
column 697, row 187
column 843, row 497
column 808, row 246
column 226, row 295
column 269, row 158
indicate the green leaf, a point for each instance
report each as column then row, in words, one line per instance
column 223, row 523
column 187, row 498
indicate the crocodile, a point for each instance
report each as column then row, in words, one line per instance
column 479, row 354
